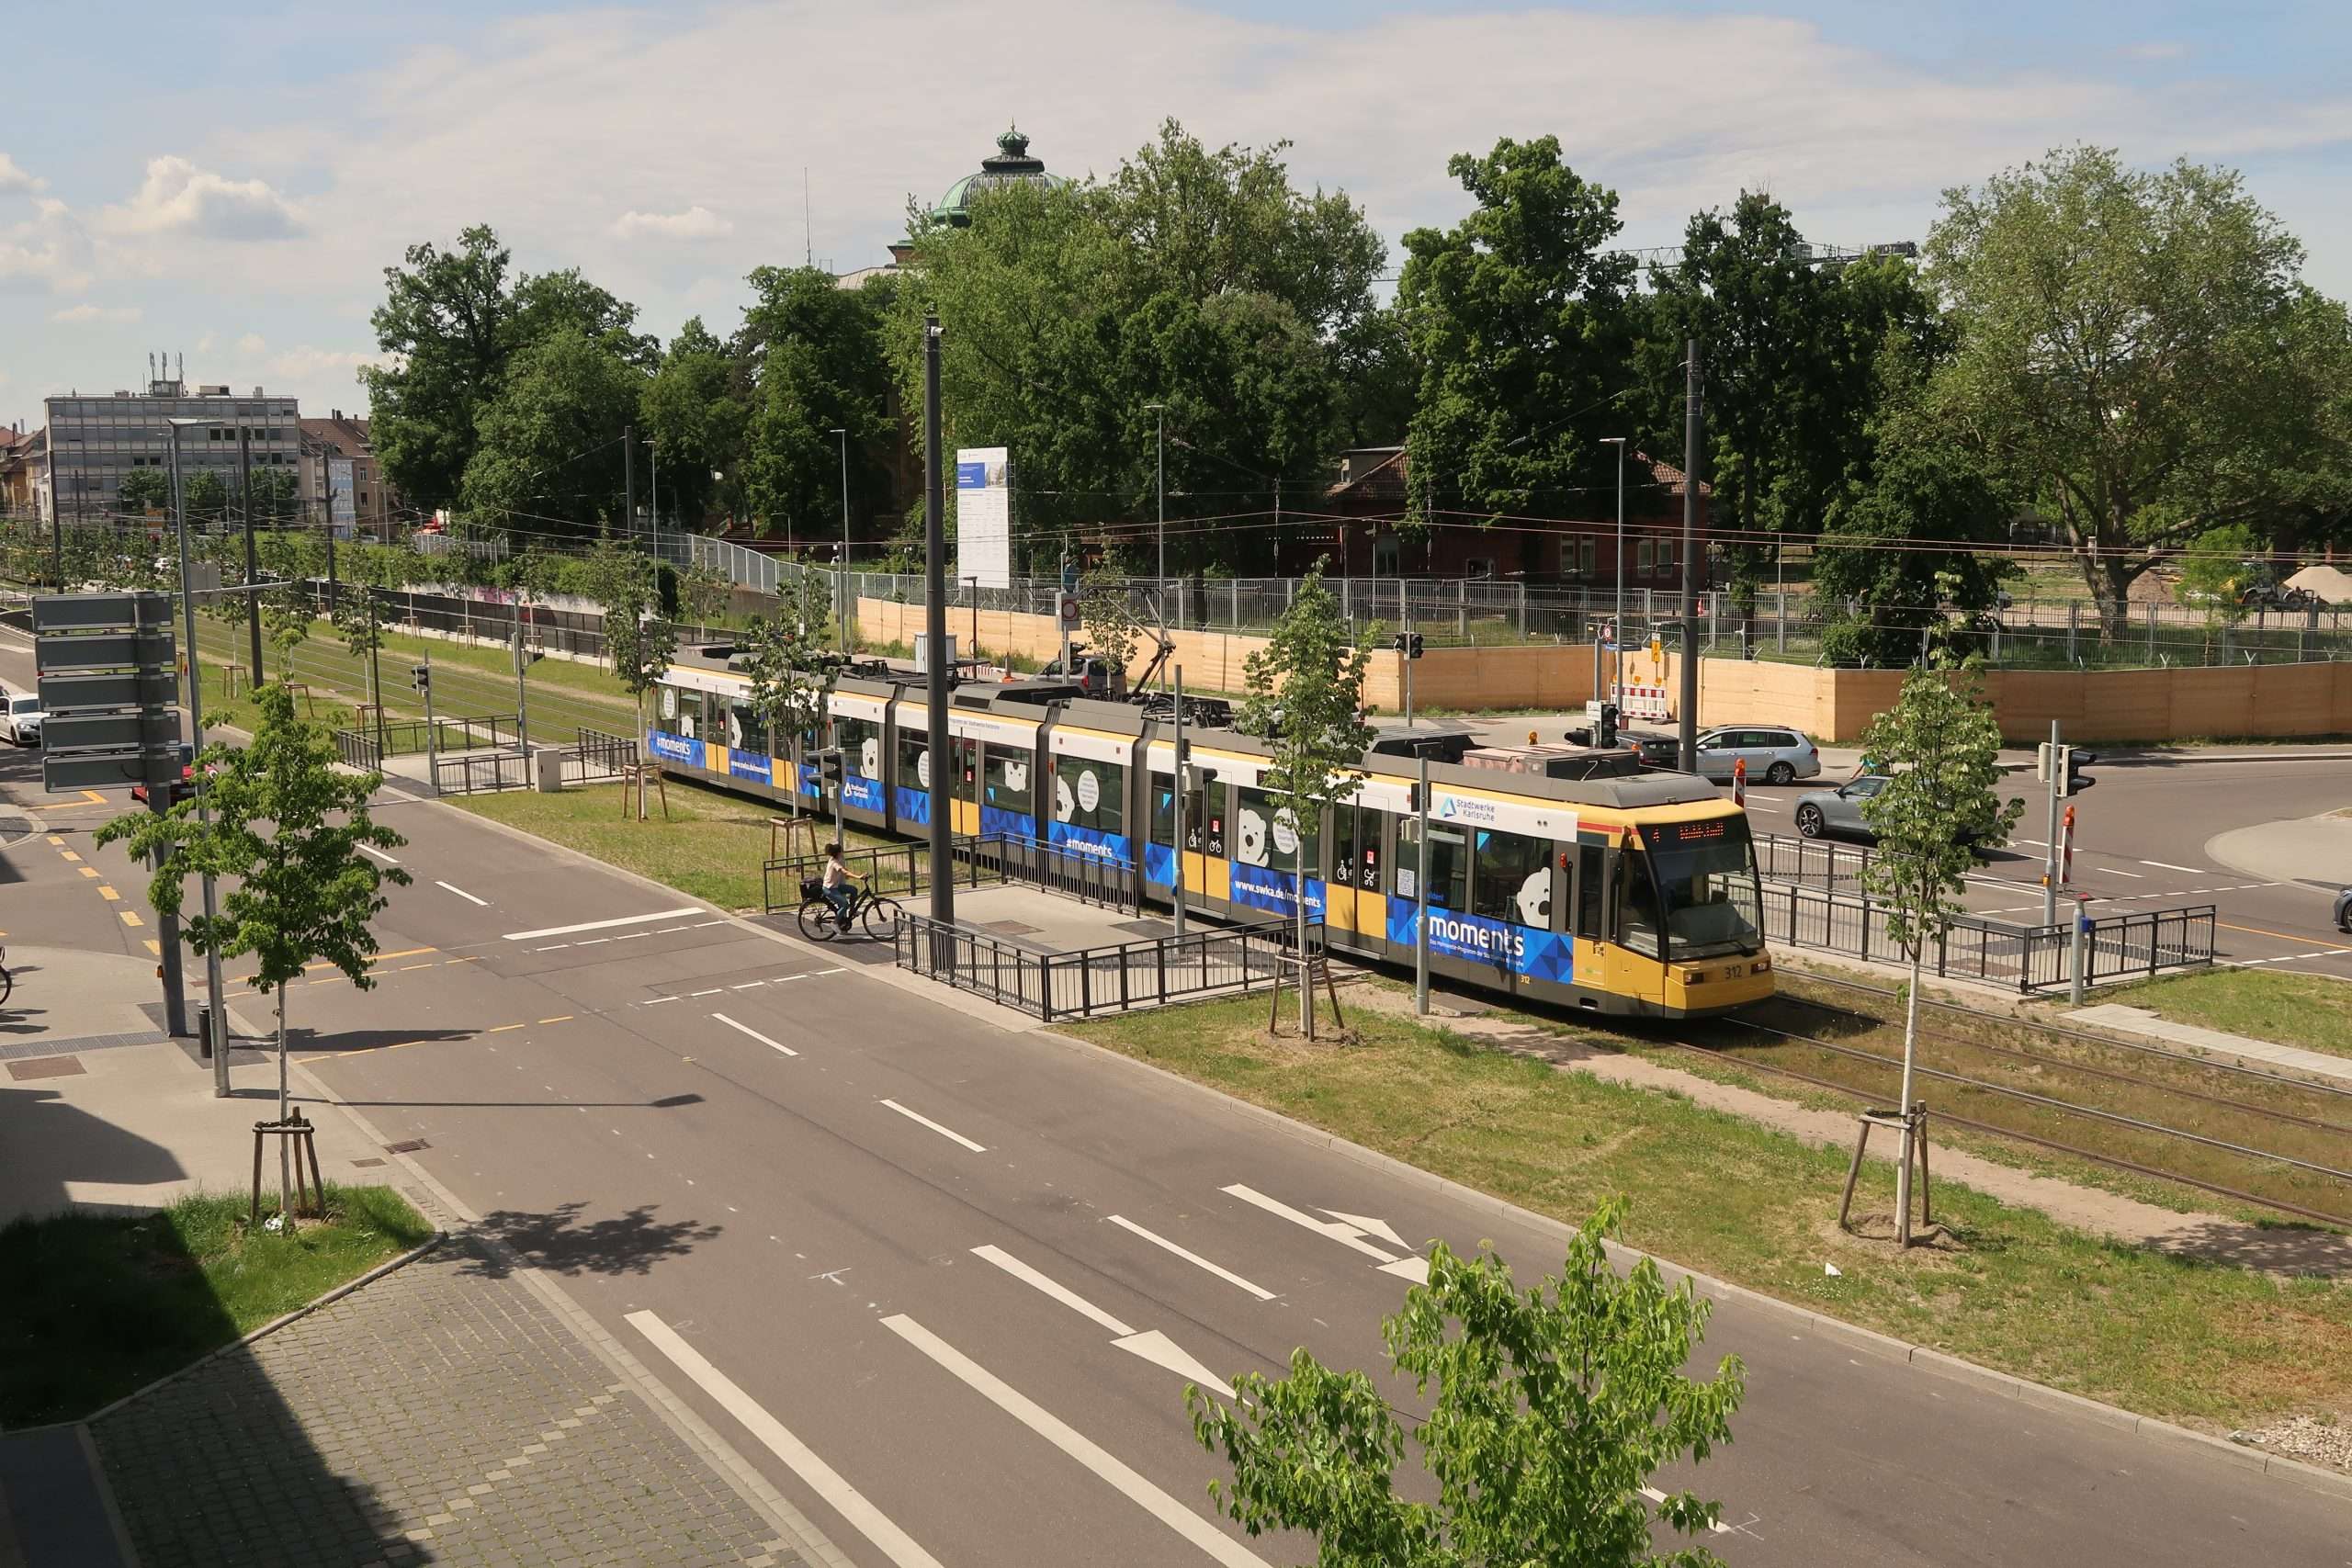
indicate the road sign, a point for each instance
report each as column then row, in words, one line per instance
column 103, row 731
column 101, row 611
column 109, row 770
column 1068, row 609
column 68, row 693
column 103, row 650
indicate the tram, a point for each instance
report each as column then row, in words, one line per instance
column 1631, row 896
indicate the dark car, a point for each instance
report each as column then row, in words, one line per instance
column 2343, row 916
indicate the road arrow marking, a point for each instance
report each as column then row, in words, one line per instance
column 1227, row 1275
column 1345, row 1235
column 1371, row 1226
column 1060, row 1292
column 1161, row 1351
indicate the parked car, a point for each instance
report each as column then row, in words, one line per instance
column 2343, row 916
column 1774, row 755
column 21, row 721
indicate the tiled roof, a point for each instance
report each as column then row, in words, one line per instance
column 348, row 436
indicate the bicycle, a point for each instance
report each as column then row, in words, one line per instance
column 7, row 981
column 820, row 922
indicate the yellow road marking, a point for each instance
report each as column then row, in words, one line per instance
column 2258, row 931
column 403, row 953
column 94, row 797
column 560, row 1017
column 89, row 871
column 108, row 894
column 69, row 854
column 154, row 947
column 130, row 918
column 475, row 959
column 504, row 1027
column 55, row 838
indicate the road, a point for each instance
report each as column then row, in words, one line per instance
column 944, row 1277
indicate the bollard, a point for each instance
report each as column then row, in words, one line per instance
column 2082, row 942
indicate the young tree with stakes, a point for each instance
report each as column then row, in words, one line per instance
column 1306, row 701
column 1553, row 1410
column 1938, row 809
column 791, row 668
column 284, row 838
column 359, row 620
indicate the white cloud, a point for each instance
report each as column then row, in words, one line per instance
column 250, row 344
column 13, row 177
column 77, row 314
column 693, row 223
column 50, row 253
column 177, row 197
column 204, row 345
column 2157, row 49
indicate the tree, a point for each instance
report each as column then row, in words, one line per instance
column 1306, row 701
column 444, row 328
column 550, row 457
column 1111, row 628
column 2140, row 348
column 1939, row 808
column 286, row 610
column 1201, row 279
column 818, row 364
column 144, row 489
column 285, row 838
column 549, row 302
column 2213, row 573
column 1789, row 346
column 792, row 671
column 703, row 594
column 1552, row 1411
column 1897, row 545
column 638, row 639
column 275, row 496
column 696, row 418
column 1518, row 316
column 358, row 621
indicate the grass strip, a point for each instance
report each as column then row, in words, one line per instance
column 2188, row 1341
column 98, row 1306
column 711, row 846
column 2313, row 1011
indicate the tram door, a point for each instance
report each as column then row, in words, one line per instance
column 1353, row 900
column 963, row 784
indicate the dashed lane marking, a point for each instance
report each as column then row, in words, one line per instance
column 378, row 854
column 108, row 894
column 130, row 918
column 480, row 903
column 606, row 925
column 746, row 1029
column 948, row 1133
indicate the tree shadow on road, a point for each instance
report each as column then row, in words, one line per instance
column 560, row 1242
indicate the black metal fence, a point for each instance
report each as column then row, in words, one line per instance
column 2019, row 957
column 1817, row 863
column 479, row 773
column 886, row 868
column 1090, row 981
column 598, row 757
column 1106, row 881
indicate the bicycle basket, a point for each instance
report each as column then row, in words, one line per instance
column 811, row 887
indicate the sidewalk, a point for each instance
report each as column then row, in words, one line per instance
column 2123, row 1019
column 455, row 1410
column 2214, row 1237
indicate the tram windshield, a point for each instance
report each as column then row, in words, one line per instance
column 1706, row 884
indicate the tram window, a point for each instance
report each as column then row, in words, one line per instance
column 1514, row 880
column 915, row 762
column 746, row 730
column 1087, row 794
column 1204, row 821
column 861, row 743
column 1163, row 808
column 1637, row 919
column 1590, row 859
column 966, row 753
column 669, row 701
column 1265, row 834
column 1007, row 774
column 1448, row 863
column 1345, row 824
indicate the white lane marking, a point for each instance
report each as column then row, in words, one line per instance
column 822, row 1478
column 657, row 1000
column 714, row 991
column 1654, row 1496
column 387, row 860
column 1161, row 1351
column 2111, row 870
column 942, row 1132
column 461, row 893
column 1371, row 1226
column 1054, row 1288
column 2167, row 865
column 605, row 925
column 632, row 936
column 1120, row 1477
column 755, row 984
column 746, row 1029
column 559, row 946
column 1345, row 1235
column 594, row 940
column 1417, row 1270
column 1194, row 1259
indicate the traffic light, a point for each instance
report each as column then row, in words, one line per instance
column 828, row 767
column 2077, row 781
column 421, row 677
column 1605, row 735
column 1407, row 643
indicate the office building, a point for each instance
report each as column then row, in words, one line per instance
column 98, row 440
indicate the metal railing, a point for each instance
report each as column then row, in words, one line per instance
column 1972, row 947
column 480, row 773
column 360, row 749
column 886, row 868
column 1817, row 863
column 1104, row 880
column 598, row 757
column 1094, row 980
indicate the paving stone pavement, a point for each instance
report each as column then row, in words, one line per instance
column 443, row 1413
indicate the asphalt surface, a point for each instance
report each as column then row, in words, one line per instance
column 773, row 1172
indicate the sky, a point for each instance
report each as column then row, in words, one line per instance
column 229, row 187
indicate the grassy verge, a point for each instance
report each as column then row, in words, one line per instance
column 2310, row 1010
column 2007, row 1288
column 710, row 848
column 98, row 1306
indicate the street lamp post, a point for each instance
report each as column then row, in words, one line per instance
column 1617, row 665
column 1159, row 487
column 842, row 434
column 219, row 1010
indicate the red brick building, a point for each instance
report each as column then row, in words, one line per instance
column 1357, row 528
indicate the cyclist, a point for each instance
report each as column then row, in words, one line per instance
column 838, row 877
